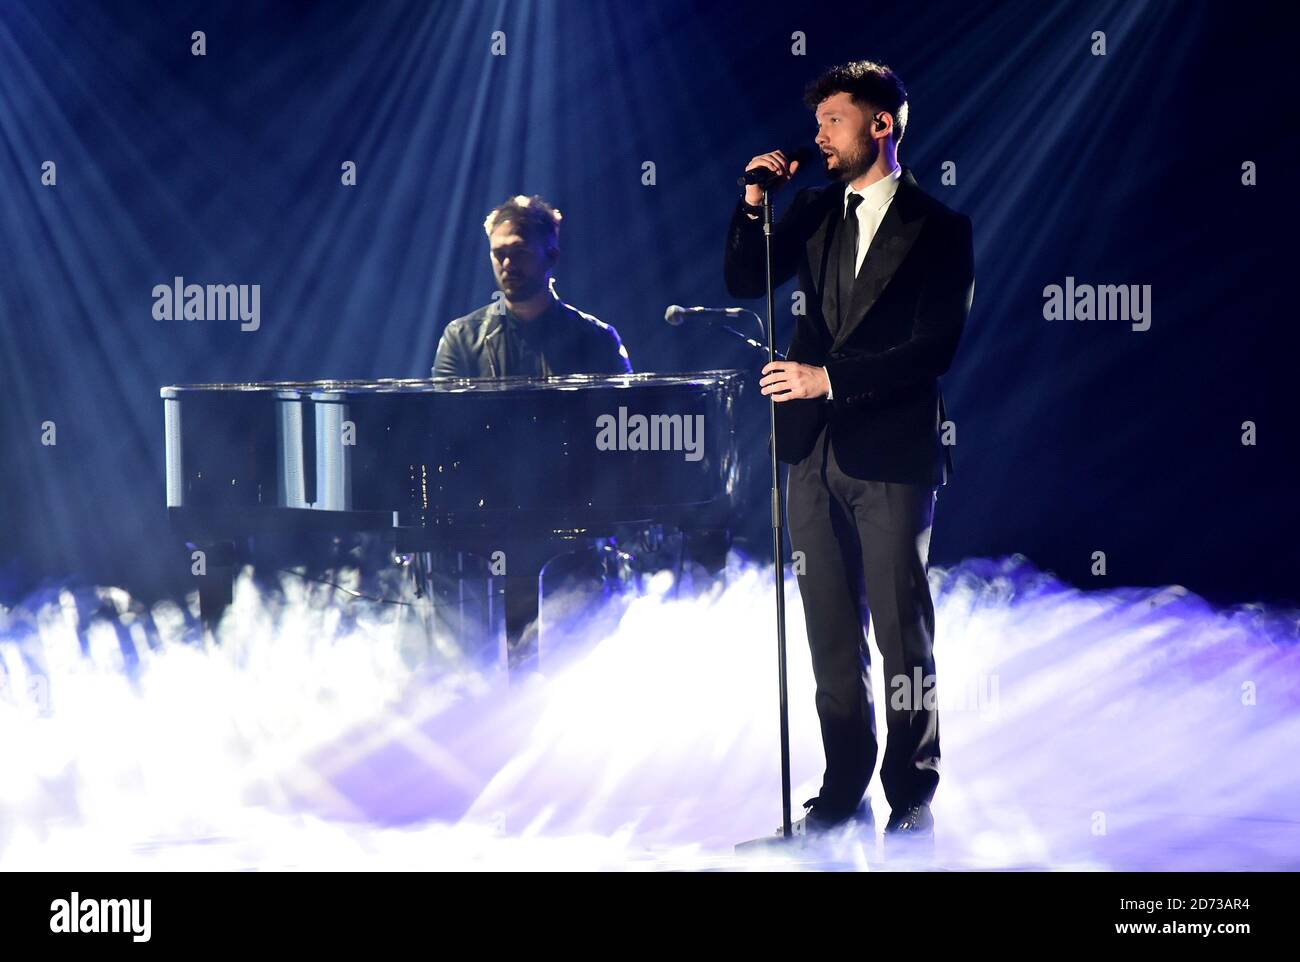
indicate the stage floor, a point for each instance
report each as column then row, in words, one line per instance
column 1137, row 729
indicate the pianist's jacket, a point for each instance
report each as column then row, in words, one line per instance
column 492, row 342
column 910, row 302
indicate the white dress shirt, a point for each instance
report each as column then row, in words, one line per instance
column 876, row 198
column 875, row 201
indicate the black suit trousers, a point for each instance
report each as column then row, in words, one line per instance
column 864, row 547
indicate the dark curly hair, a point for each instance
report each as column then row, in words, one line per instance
column 869, row 84
column 536, row 219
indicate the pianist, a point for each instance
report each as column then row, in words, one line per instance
column 527, row 330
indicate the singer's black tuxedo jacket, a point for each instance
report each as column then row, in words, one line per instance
column 910, row 301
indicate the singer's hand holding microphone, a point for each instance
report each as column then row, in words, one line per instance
column 785, row 380
column 771, row 170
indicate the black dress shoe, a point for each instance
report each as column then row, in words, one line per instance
column 914, row 821
column 817, row 821
column 816, row 824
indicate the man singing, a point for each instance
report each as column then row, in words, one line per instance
column 888, row 274
column 527, row 330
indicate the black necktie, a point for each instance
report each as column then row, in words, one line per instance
column 848, row 261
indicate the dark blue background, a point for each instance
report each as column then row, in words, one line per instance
column 1072, row 437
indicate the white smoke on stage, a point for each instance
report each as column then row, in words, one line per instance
column 1119, row 729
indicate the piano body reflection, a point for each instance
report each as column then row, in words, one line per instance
column 523, row 466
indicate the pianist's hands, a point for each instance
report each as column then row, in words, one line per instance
column 789, row 380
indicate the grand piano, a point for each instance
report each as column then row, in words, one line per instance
column 522, row 466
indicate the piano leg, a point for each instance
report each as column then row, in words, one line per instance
column 217, row 583
column 708, row 548
column 521, row 609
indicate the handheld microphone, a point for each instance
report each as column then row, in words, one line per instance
column 762, row 176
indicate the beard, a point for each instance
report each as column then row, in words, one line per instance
column 521, row 289
column 854, row 165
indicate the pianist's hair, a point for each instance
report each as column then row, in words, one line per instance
column 870, row 84
column 534, row 217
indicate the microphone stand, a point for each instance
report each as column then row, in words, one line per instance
column 778, row 534
column 750, row 342
column 778, row 559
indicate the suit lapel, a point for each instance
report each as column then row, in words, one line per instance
column 816, row 246
column 894, row 238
